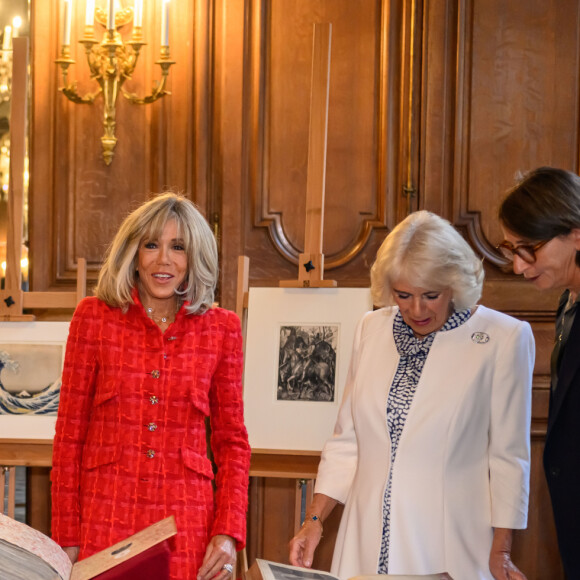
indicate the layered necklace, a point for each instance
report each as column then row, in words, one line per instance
column 159, row 320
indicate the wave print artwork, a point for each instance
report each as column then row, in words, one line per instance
column 30, row 379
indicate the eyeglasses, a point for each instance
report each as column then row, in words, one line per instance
column 527, row 252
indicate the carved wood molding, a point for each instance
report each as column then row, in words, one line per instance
column 472, row 133
column 501, row 62
column 469, row 221
column 256, row 146
column 446, row 131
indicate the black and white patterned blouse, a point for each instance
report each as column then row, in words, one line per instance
column 413, row 354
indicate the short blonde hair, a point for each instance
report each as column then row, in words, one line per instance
column 118, row 276
column 427, row 251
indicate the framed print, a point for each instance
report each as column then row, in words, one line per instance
column 31, row 360
column 298, row 348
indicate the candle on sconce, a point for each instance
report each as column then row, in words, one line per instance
column 138, row 13
column 16, row 24
column 111, row 15
column 164, row 22
column 90, row 14
column 6, row 43
column 66, row 22
column 24, row 273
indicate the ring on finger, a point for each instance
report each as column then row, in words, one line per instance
column 228, row 567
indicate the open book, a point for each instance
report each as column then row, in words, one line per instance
column 27, row 554
column 265, row 570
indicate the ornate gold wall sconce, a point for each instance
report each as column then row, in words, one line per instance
column 112, row 61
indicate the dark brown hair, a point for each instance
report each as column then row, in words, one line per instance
column 544, row 204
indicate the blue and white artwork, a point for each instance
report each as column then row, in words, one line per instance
column 30, row 379
column 31, row 360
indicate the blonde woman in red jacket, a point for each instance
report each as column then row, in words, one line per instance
column 148, row 359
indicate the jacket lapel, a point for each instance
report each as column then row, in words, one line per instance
column 568, row 369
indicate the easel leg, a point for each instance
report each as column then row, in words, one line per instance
column 241, row 564
column 304, row 496
column 38, row 498
column 8, row 476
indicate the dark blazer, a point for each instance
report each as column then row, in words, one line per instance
column 562, row 451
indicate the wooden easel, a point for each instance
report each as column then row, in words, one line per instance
column 311, row 261
column 287, row 464
column 30, row 452
column 13, row 300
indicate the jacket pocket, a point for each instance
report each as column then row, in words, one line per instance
column 199, row 400
column 97, row 456
column 105, row 391
column 196, row 462
column 104, row 435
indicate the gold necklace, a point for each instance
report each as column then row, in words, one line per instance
column 167, row 319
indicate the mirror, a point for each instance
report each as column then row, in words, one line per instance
column 14, row 21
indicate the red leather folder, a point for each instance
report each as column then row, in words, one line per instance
column 142, row 556
column 153, row 564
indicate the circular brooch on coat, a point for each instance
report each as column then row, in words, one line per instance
column 480, row 337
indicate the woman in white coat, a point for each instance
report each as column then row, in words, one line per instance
column 430, row 452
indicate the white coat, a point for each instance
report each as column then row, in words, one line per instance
column 463, row 460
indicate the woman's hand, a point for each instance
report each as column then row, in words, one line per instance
column 220, row 551
column 500, row 562
column 72, row 552
column 502, row 567
column 303, row 544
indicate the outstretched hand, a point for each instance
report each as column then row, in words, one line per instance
column 303, row 544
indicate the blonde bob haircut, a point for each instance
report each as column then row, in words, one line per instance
column 119, row 276
column 426, row 251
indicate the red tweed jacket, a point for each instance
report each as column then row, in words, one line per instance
column 130, row 444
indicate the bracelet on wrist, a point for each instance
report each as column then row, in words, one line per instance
column 312, row 518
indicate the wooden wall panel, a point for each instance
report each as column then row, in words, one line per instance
column 492, row 106
column 76, row 201
column 361, row 168
column 353, row 110
column 521, row 114
column 230, row 22
column 272, row 503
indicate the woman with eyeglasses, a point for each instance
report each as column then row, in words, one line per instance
column 430, row 452
column 540, row 218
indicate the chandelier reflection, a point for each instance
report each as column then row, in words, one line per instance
column 6, row 65
column 112, row 60
column 5, row 76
